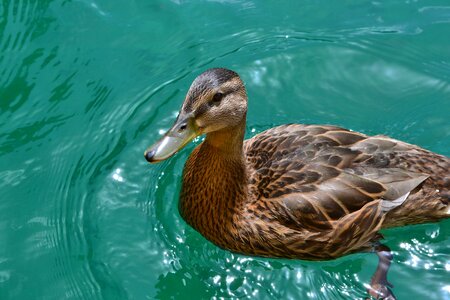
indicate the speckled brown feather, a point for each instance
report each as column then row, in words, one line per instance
column 300, row 191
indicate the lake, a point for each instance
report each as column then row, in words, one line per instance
column 87, row 85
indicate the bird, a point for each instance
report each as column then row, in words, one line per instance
column 298, row 191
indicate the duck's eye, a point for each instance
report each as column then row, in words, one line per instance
column 217, row 98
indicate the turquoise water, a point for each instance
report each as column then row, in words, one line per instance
column 86, row 86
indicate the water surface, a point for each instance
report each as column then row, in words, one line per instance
column 86, row 86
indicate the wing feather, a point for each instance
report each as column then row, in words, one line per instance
column 323, row 175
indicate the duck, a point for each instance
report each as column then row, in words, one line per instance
column 297, row 191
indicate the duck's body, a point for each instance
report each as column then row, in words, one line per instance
column 310, row 192
column 296, row 191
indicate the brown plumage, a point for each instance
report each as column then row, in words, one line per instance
column 296, row 191
column 311, row 192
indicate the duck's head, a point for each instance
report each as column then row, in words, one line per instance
column 215, row 101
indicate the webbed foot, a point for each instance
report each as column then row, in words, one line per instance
column 380, row 288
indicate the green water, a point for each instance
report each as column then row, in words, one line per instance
column 87, row 85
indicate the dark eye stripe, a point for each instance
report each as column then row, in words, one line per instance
column 201, row 109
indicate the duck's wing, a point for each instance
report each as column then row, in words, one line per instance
column 308, row 175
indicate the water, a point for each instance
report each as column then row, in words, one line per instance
column 86, row 86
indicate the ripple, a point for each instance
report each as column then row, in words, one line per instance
column 23, row 23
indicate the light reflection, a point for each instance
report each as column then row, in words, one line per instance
column 165, row 260
column 116, row 176
column 405, row 246
column 216, row 279
column 258, row 73
column 414, row 261
column 243, row 260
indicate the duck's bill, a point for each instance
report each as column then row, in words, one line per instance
column 182, row 132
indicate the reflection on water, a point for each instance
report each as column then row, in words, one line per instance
column 86, row 86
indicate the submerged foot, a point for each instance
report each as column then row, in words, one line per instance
column 380, row 288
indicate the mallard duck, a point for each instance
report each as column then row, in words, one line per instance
column 312, row 192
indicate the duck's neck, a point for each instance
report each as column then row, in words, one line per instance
column 228, row 141
column 215, row 183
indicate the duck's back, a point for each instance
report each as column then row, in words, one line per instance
column 321, row 174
